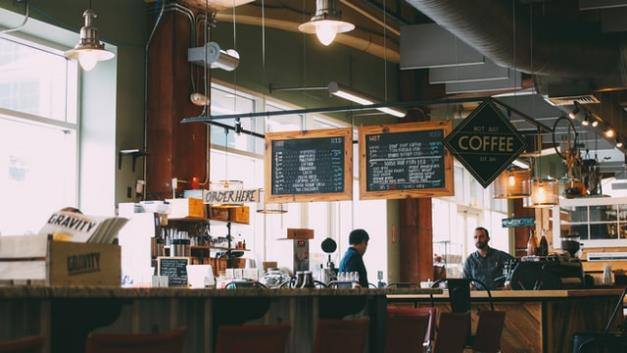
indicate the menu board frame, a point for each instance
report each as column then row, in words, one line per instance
column 185, row 259
column 347, row 194
column 447, row 190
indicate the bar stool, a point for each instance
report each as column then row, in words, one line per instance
column 421, row 310
column 489, row 330
column 252, row 338
column 168, row 342
column 452, row 332
column 32, row 344
column 406, row 330
column 341, row 336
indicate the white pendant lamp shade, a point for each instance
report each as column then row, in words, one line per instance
column 513, row 184
column 544, row 193
column 89, row 50
column 326, row 23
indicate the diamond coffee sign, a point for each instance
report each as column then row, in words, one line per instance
column 485, row 143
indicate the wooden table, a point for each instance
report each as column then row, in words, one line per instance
column 536, row 321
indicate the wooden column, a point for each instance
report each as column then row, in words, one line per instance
column 416, row 229
column 175, row 150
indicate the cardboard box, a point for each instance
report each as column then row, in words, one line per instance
column 300, row 233
column 191, row 207
column 38, row 260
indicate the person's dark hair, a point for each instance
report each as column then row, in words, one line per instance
column 485, row 231
column 358, row 236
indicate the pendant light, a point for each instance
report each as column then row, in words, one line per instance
column 89, row 50
column 267, row 207
column 327, row 22
column 513, row 183
column 544, row 193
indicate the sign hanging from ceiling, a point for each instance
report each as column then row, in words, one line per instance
column 485, row 143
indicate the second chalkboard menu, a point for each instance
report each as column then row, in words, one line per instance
column 405, row 160
column 315, row 165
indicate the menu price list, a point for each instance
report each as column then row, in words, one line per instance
column 308, row 166
column 402, row 161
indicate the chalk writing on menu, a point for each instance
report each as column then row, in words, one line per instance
column 175, row 269
column 406, row 160
column 308, row 166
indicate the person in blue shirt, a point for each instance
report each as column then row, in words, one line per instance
column 486, row 264
column 353, row 261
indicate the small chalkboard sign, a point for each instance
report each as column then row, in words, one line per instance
column 175, row 268
column 314, row 165
column 405, row 160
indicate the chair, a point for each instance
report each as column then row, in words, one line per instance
column 489, row 331
column 252, row 338
column 33, row 344
column 341, row 336
column 452, row 332
column 407, row 329
column 168, row 342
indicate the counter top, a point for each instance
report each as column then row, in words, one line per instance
column 130, row 293
column 520, row 294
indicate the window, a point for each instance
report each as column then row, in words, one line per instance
column 244, row 160
column 38, row 134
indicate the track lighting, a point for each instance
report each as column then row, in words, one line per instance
column 586, row 120
column 609, row 132
column 595, row 122
column 573, row 114
column 619, row 143
column 89, row 50
column 327, row 22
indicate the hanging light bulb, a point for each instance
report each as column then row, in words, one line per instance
column 595, row 122
column 326, row 23
column 544, row 193
column 619, row 143
column 512, row 184
column 573, row 114
column 609, row 132
column 89, row 50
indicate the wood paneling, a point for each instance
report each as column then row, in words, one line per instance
column 174, row 149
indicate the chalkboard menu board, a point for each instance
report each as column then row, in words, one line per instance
column 405, row 160
column 175, row 268
column 309, row 165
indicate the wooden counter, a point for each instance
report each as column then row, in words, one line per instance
column 66, row 315
column 535, row 321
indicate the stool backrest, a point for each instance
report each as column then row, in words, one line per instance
column 33, row 344
column 406, row 332
column 452, row 331
column 168, row 342
column 252, row 339
column 422, row 310
column 341, row 336
column 489, row 331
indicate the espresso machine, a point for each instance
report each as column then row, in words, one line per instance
column 328, row 273
column 547, row 272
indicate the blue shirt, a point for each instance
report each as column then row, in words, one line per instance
column 489, row 269
column 354, row 262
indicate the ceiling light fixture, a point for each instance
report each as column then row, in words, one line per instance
column 573, row 114
column 619, row 143
column 327, row 22
column 338, row 90
column 609, row 132
column 595, row 122
column 89, row 50
column 586, row 120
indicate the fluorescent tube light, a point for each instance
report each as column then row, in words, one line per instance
column 337, row 90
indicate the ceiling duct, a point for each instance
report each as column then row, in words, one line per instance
column 488, row 26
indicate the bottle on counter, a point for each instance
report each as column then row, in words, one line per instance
column 543, row 248
column 532, row 244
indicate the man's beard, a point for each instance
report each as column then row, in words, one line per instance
column 481, row 245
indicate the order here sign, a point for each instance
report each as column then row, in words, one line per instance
column 485, row 143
